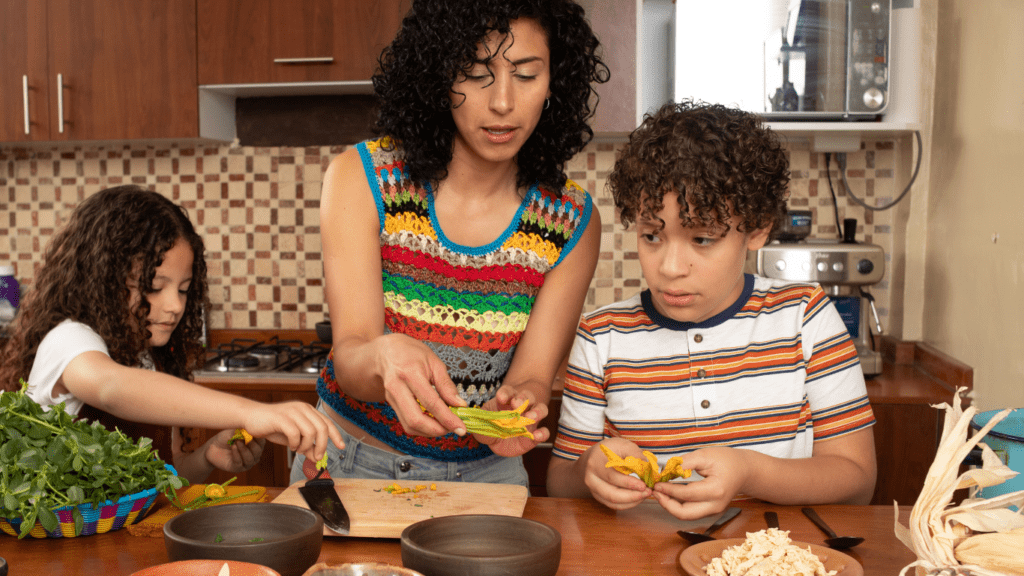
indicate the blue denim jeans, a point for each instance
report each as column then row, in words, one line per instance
column 358, row 460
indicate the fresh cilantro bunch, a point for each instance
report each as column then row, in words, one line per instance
column 49, row 460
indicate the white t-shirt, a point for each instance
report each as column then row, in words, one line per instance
column 59, row 347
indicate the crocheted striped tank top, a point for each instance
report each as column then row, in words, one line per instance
column 469, row 304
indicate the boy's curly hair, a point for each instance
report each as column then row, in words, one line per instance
column 438, row 42
column 720, row 161
column 84, row 277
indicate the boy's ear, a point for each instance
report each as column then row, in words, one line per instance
column 757, row 238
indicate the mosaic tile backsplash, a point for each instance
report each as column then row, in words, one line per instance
column 257, row 208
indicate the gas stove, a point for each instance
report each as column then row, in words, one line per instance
column 265, row 358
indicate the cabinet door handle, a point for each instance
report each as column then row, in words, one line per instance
column 313, row 60
column 24, row 99
column 60, row 102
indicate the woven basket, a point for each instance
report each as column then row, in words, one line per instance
column 110, row 516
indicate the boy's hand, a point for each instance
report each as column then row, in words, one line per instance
column 724, row 472
column 608, row 486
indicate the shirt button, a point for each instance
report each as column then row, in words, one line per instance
column 701, row 373
column 705, row 404
column 405, row 466
column 698, row 338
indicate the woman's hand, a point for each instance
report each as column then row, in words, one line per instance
column 234, row 456
column 510, row 398
column 608, row 486
column 414, row 380
column 297, row 425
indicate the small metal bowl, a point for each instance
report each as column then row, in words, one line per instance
column 280, row 536
column 481, row 545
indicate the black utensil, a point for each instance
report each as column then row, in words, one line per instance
column 322, row 497
column 772, row 519
column 698, row 537
column 833, row 541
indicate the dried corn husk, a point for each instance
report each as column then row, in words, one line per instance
column 936, row 532
column 995, row 550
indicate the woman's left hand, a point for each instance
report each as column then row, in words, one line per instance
column 509, row 398
column 234, row 456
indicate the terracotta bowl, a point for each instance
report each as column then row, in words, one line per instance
column 481, row 545
column 359, row 569
column 205, row 568
column 280, row 536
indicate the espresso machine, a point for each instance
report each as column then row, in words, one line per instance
column 844, row 269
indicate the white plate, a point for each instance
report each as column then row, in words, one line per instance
column 694, row 558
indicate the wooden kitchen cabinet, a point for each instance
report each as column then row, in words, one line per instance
column 273, row 41
column 97, row 70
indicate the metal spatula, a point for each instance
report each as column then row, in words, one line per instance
column 322, row 498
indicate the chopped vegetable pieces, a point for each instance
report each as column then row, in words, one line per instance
column 647, row 470
column 240, row 434
column 322, row 462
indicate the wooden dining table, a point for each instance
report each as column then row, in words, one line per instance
column 595, row 540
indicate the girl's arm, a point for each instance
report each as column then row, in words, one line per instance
column 368, row 365
column 156, row 398
column 548, row 337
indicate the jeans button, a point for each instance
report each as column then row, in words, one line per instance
column 405, row 466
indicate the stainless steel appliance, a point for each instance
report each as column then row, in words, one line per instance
column 265, row 358
column 786, row 59
column 843, row 269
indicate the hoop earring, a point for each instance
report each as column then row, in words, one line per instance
column 547, row 103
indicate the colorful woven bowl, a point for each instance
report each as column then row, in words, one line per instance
column 110, row 516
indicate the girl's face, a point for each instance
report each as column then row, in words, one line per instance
column 171, row 281
column 499, row 102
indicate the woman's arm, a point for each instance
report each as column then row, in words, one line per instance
column 153, row 397
column 548, row 337
column 369, row 365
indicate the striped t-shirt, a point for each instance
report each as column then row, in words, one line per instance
column 469, row 304
column 773, row 373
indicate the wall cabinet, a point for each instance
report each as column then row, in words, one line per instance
column 270, row 41
column 97, row 70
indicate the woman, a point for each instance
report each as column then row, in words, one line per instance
column 457, row 255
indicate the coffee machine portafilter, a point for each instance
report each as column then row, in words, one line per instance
column 843, row 269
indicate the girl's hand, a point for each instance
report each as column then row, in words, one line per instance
column 724, row 472
column 413, row 376
column 608, row 486
column 297, row 425
column 509, row 398
column 235, row 457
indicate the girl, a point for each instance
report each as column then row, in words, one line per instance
column 443, row 238
column 111, row 328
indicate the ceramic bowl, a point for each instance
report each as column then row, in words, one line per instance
column 481, row 545
column 280, row 536
column 359, row 569
column 205, row 568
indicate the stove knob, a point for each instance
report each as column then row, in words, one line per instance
column 865, row 266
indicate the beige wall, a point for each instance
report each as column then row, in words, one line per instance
column 970, row 209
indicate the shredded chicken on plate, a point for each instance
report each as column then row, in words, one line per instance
column 768, row 552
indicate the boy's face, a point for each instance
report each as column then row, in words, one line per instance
column 693, row 273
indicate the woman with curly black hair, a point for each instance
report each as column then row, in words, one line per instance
column 457, row 254
column 112, row 326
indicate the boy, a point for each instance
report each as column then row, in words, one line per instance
column 754, row 382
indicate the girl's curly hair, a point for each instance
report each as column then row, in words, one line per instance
column 438, row 42
column 720, row 161
column 111, row 236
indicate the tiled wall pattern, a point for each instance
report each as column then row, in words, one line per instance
column 257, row 208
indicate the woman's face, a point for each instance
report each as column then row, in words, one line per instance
column 498, row 103
column 171, row 281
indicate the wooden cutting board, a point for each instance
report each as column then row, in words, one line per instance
column 375, row 513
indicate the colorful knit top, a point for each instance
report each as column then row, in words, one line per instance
column 469, row 304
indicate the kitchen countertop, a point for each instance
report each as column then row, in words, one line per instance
column 595, row 540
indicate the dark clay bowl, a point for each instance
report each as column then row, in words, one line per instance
column 481, row 545
column 323, row 331
column 280, row 536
